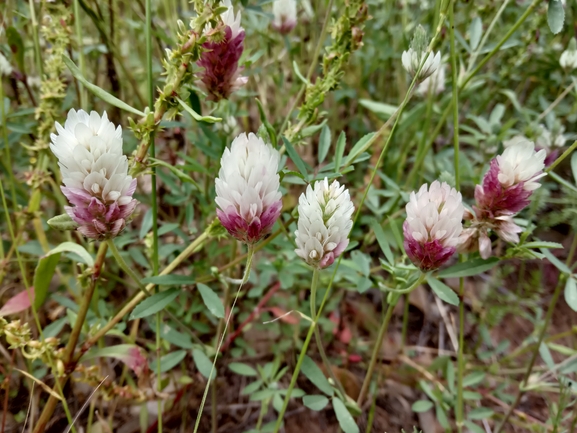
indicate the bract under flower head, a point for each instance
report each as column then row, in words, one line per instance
column 324, row 223
column 247, row 188
column 95, row 173
column 433, row 225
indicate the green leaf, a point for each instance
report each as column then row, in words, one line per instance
column 176, row 170
column 266, row 123
column 385, row 110
column 195, row 115
column 480, row 413
column 555, row 16
column 474, row 427
column 295, row 157
column 154, row 304
column 168, row 361
column 211, row 300
column 97, row 91
column 251, row 387
column 345, row 419
column 71, row 247
column 555, row 261
column 475, row 31
column 542, row 244
column 469, row 268
column 169, row 280
column 443, row 291
column 546, row 356
column 315, row 402
column 324, row 143
column 474, row 378
column 313, row 373
column 203, row 363
column 42, row 277
column 62, row 222
column 422, row 405
column 298, row 73
column 358, row 148
column 382, row 240
column 242, row 369
column 130, row 354
column 16, row 46
column 340, row 150
column 571, row 293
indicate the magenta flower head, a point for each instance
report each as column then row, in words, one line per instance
column 221, row 74
column 95, row 173
column 433, row 225
column 247, row 188
column 324, row 223
column 510, row 181
column 285, row 16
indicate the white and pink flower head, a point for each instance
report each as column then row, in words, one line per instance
column 433, row 225
column 95, row 173
column 324, row 223
column 247, row 188
column 511, row 179
column 221, row 74
column 285, row 15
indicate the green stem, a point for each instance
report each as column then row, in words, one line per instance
column 379, row 342
column 78, row 27
column 303, row 350
column 244, row 280
column 37, row 56
column 470, row 75
column 562, row 157
column 140, row 296
column 326, row 362
column 549, row 315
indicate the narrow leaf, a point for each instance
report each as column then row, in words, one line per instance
column 555, row 16
column 169, row 280
column 340, row 150
column 443, row 291
column 130, row 354
column 345, row 419
column 295, row 157
column 154, row 304
column 168, row 361
column 315, row 402
column 71, row 247
column 97, row 91
column 324, row 143
column 17, row 303
column 571, row 293
column 42, row 277
column 313, row 373
column 195, row 115
column 469, row 268
column 298, row 73
column 203, row 363
column 555, row 261
column 211, row 300
column 422, row 406
column 475, row 31
column 42, row 384
column 242, row 369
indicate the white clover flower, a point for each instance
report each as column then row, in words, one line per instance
column 285, row 15
column 520, row 163
column 5, row 66
column 434, row 84
column 324, row 223
column 247, row 188
column 230, row 19
column 433, row 225
column 94, row 172
column 516, row 139
column 568, row 59
column 412, row 59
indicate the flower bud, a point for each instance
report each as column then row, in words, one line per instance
column 568, row 59
column 285, row 15
column 417, row 53
column 324, row 223
column 247, row 188
column 95, row 173
column 433, row 225
column 221, row 74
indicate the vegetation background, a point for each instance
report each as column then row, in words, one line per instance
column 517, row 325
